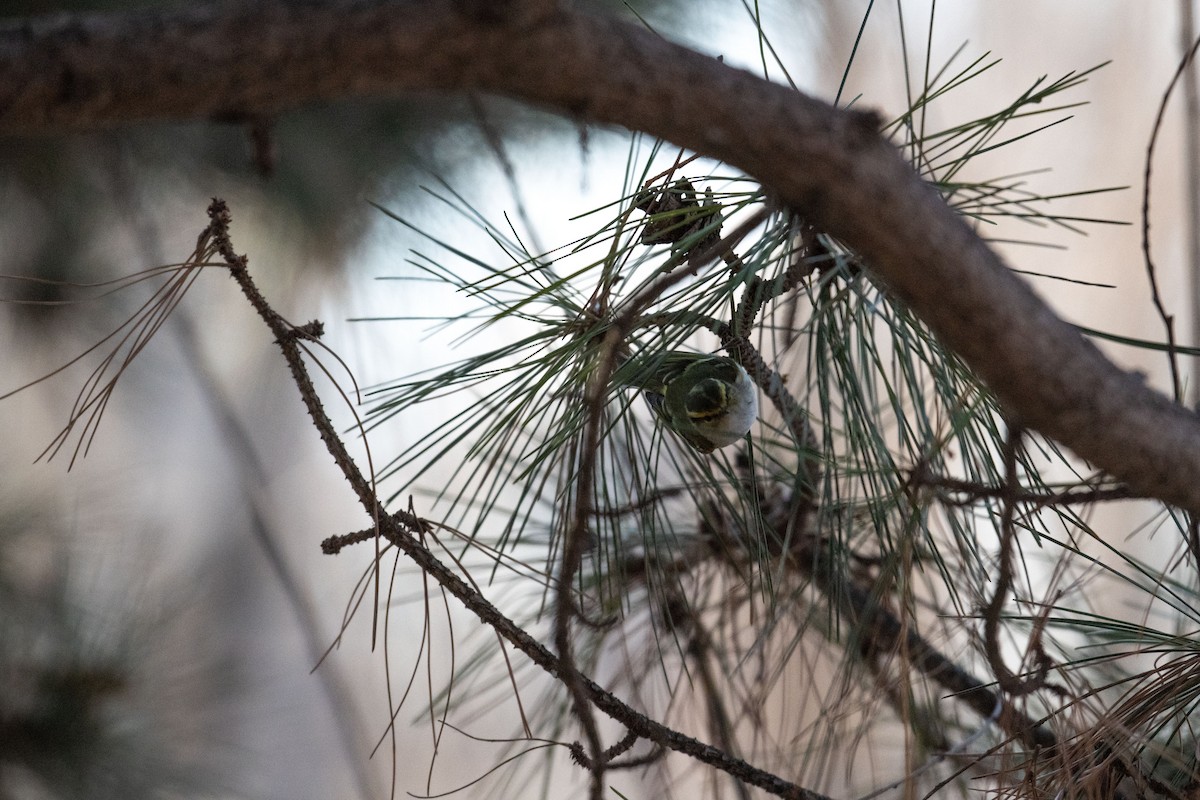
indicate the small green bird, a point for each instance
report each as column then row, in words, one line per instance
column 709, row 401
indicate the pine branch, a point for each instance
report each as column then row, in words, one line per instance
column 81, row 72
column 401, row 529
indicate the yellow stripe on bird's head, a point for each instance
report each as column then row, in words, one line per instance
column 708, row 400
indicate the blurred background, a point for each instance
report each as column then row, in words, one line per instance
column 164, row 601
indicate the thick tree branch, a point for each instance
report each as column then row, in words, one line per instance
column 74, row 73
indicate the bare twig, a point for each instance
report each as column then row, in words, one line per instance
column 577, row 535
column 1168, row 319
column 969, row 492
column 253, row 479
column 1191, row 149
column 1010, row 682
column 574, row 545
column 400, row 529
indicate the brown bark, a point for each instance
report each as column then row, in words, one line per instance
column 75, row 73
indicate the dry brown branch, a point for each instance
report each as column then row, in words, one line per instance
column 83, row 72
column 1013, row 684
column 402, row 529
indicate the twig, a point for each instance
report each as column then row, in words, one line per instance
column 1008, row 681
column 878, row 629
column 574, row 545
column 794, row 417
column 577, row 536
column 395, row 529
column 759, row 292
column 1191, row 149
column 1168, row 319
column 252, row 480
column 971, row 492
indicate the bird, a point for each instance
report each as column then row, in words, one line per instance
column 708, row 401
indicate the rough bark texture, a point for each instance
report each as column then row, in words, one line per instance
column 73, row 73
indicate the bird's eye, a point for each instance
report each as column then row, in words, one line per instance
column 707, row 400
